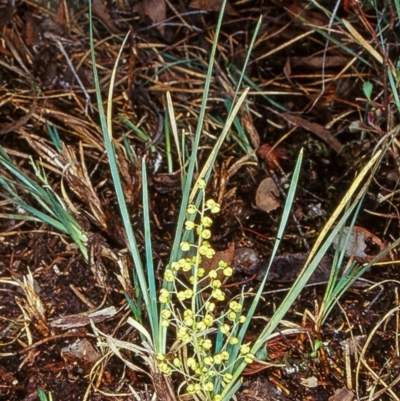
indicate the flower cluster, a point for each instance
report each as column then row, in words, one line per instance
column 189, row 299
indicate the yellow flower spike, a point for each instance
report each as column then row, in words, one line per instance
column 189, row 225
column 225, row 355
column 200, row 326
column 203, row 249
column 216, row 209
column 209, row 386
column 233, row 340
column 212, row 274
column 216, row 284
column 185, row 246
column 231, row 316
column 210, row 203
column 209, row 253
column 175, row 266
column 207, row 344
column 190, row 389
column 208, row 360
column 245, row 349
column 187, row 266
column 227, row 378
column 187, row 313
column 206, row 221
column 177, row 362
column 166, row 313
column 206, row 234
column 242, row 319
column 218, row 294
column 169, row 276
column 201, row 184
column 218, row 359
column 192, row 209
column 249, row 358
column 235, row 306
column 208, row 320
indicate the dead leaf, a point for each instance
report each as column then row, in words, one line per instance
column 267, row 194
column 62, row 15
column 271, row 155
column 156, row 10
column 248, row 126
column 344, row 394
column 213, row 5
column 226, row 255
column 315, row 128
column 99, row 9
column 81, row 354
column 363, row 246
column 30, row 31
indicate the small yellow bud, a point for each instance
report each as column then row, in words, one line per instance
column 245, row 349
column 242, row 319
column 209, row 386
column 201, row 184
column 206, row 234
column 233, row 340
column 228, row 271
column 206, row 221
column 224, row 328
column 207, row 344
column 227, row 378
column 217, row 397
column 185, row 246
column 169, row 276
column 225, row 355
column 212, row 274
column 192, row 209
column 166, row 313
column 249, row 358
column 177, row 362
column 208, row 360
column 189, row 225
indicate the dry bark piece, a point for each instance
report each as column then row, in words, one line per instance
column 267, row 194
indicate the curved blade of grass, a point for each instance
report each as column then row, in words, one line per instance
column 106, row 127
column 188, row 180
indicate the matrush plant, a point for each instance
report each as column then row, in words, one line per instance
column 210, row 351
